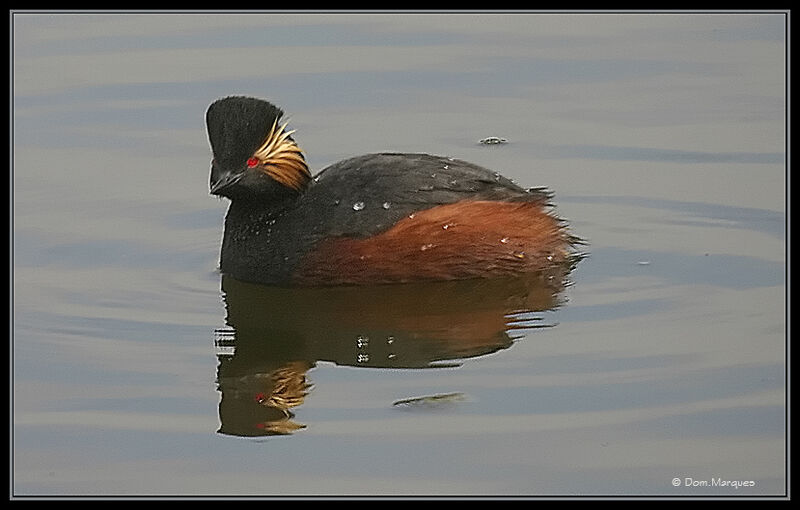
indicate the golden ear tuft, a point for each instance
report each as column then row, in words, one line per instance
column 282, row 159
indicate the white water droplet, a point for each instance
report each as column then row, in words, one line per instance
column 504, row 240
column 386, row 205
column 358, row 206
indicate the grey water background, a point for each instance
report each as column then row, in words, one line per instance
column 662, row 136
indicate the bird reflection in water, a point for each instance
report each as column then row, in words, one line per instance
column 275, row 335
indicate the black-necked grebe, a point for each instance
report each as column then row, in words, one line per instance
column 372, row 219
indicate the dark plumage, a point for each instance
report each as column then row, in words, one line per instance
column 350, row 224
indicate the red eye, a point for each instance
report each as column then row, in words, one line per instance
column 252, row 162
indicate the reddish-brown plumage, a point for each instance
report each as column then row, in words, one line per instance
column 465, row 239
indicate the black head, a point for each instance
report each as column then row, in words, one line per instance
column 253, row 154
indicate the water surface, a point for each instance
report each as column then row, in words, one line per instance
column 660, row 358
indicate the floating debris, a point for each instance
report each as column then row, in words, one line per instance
column 431, row 401
column 493, row 140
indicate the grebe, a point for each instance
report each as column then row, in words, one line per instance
column 372, row 219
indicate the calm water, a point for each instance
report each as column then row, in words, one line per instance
column 663, row 358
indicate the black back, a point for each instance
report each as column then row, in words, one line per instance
column 365, row 195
